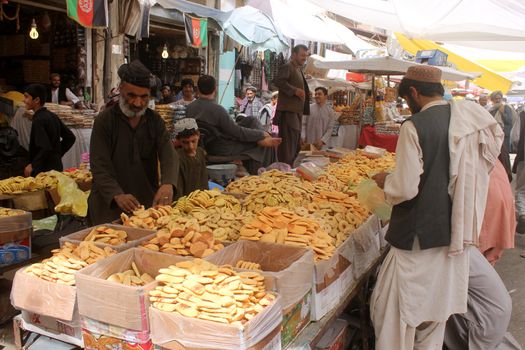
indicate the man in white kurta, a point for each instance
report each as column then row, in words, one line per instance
column 418, row 289
column 318, row 126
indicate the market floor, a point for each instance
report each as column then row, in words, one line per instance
column 511, row 268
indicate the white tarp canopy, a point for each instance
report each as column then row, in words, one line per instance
column 331, row 85
column 303, row 21
column 388, row 66
column 336, row 56
column 489, row 24
column 246, row 25
column 312, row 70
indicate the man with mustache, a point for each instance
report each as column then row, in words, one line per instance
column 129, row 145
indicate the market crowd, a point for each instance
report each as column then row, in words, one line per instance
column 450, row 189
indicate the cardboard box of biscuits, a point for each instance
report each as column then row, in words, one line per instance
column 48, row 287
column 115, row 291
column 200, row 305
column 99, row 335
column 358, row 251
column 117, row 237
column 288, row 270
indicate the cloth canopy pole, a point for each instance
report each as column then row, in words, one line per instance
column 231, row 74
column 374, row 97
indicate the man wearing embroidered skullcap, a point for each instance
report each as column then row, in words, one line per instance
column 132, row 159
column 193, row 173
column 438, row 191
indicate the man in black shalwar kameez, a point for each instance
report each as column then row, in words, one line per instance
column 129, row 145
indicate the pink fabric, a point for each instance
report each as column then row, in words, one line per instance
column 499, row 222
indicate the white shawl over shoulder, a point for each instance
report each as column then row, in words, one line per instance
column 475, row 140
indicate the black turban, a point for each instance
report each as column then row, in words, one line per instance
column 135, row 73
column 37, row 90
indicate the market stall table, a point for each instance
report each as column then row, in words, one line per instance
column 22, row 331
column 347, row 137
column 369, row 137
column 73, row 157
column 315, row 330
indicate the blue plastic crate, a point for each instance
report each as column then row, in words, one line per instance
column 432, row 57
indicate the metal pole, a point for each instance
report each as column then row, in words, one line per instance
column 231, row 74
column 373, row 98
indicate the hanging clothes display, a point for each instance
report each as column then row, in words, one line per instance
column 256, row 74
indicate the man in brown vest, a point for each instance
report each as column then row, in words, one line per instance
column 292, row 104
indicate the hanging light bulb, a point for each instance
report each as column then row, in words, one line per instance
column 33, row 34
column 165, row 52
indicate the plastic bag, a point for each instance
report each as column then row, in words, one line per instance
column 72, row 199
column 370, row 195
column 48, row 223
column 285, row 168
column 309, row 171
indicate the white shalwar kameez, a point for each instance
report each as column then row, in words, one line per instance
column 318, row 126
column 417, row 290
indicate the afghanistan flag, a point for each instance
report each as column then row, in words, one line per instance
column 88, row 13
column 196, row 31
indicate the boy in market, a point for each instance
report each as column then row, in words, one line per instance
column 50, row 138
column 193, row 174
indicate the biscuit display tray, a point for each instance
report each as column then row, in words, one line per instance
column 136, row 236
column 167, row 327
column 16, row 223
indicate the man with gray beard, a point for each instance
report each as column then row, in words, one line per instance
column 129, row 145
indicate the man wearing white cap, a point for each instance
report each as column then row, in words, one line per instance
column 438, row 191
column 193, row 174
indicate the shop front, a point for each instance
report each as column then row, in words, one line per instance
column 37, row 39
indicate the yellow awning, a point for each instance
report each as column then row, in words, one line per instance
column 489, row 79
column 503, row 65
